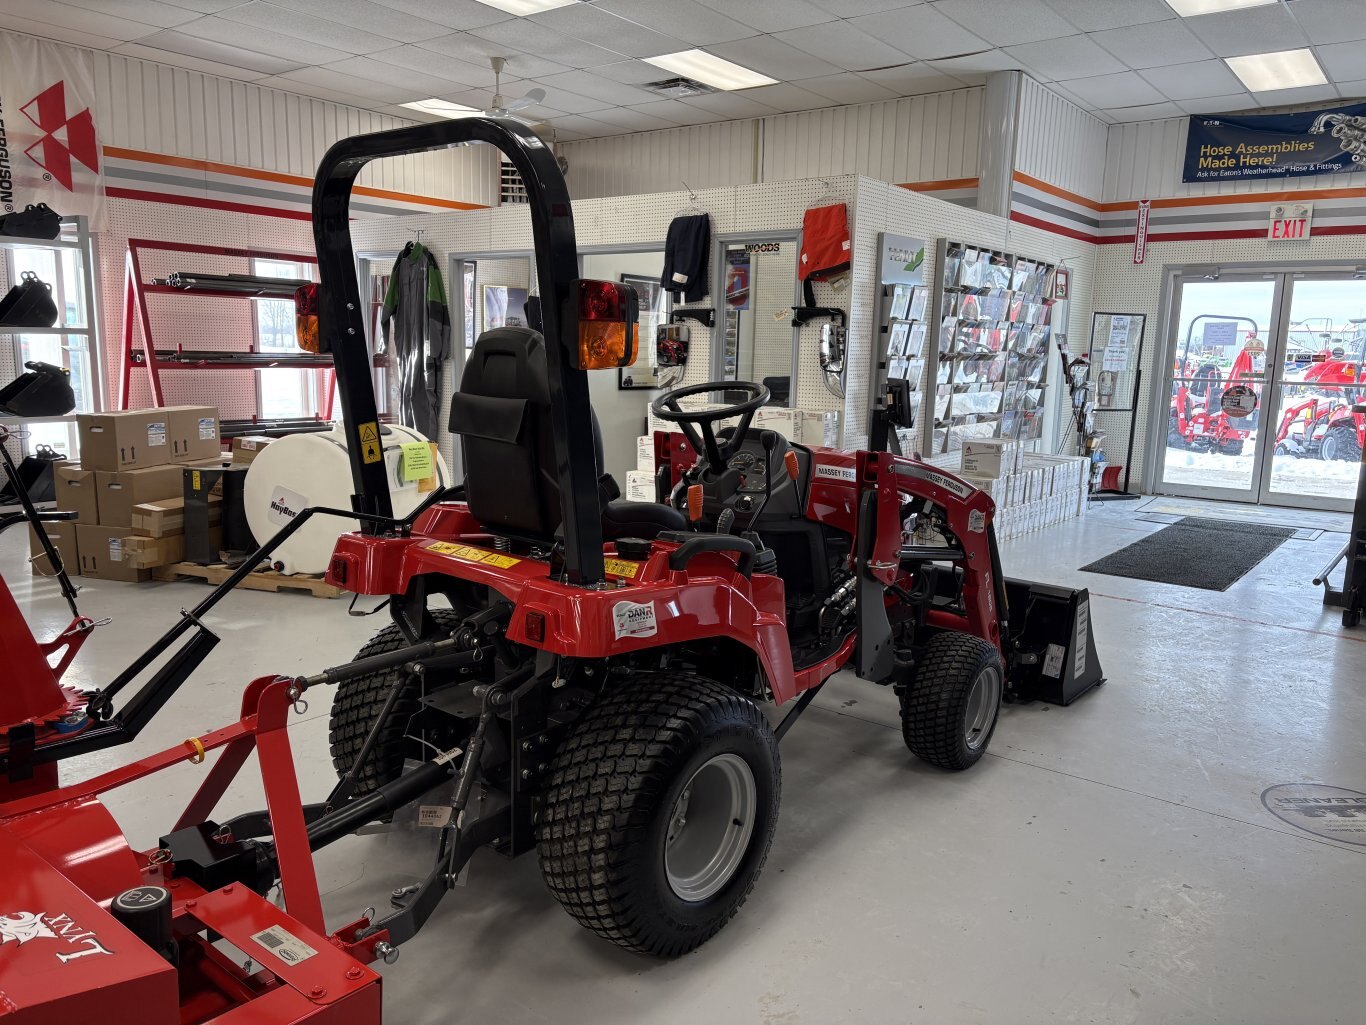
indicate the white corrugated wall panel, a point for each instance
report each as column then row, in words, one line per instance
column 172, row 111
column 1059, row 142
column 704, row 156
column 1144, row 160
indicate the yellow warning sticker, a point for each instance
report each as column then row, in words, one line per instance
column 196, row 481
column 621, row 568
column 469, row 554
column 370, row 448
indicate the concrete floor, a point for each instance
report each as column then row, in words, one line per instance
column 1109, row 862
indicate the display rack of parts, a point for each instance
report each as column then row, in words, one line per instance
column 156, row 359
column 986, row 374
column 905, row 320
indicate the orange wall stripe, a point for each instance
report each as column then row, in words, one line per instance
column 234, row 170
column 1053, row 190
column 940, row 184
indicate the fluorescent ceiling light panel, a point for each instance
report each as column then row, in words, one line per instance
column 701, row 66
column 1284, row 69
column 522, row 8
column 1192, row 8
column 442, row 108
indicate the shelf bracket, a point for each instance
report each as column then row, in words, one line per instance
column 704, row 315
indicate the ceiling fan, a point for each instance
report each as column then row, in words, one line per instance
column 501, row 105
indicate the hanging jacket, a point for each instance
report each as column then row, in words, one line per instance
column 685, row 258
column 415, row 330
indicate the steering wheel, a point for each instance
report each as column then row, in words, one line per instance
column 692, row 421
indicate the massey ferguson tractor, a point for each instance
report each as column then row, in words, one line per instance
column 1325, row 425
column 590, row 679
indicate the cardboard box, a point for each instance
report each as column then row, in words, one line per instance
column 63, row 538
column 990, row 457
column 150, row 552
column 247, row 447
column 124, row 441
column 194, row 433
column 645, row 453
column 101, row 553
column 787, row 422
column 77, row 492
column 820, row 429
column 640, row 486
column 167, row 517
column 120, row 491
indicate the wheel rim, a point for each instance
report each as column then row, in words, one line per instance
column 983, row 700
column 710, row 827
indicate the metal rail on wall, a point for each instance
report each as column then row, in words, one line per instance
column 155, row 360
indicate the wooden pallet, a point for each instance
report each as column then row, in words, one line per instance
column 267, row 580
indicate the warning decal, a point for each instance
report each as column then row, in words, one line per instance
column 621, row 567
column 370, row 449
column 469, row 554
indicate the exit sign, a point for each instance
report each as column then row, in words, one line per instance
column 1290, row 222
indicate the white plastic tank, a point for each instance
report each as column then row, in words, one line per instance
column 314, row 469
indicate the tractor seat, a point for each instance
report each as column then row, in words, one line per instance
column 502, row 413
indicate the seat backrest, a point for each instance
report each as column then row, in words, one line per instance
column 502, row 412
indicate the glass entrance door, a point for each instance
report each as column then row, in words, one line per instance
column 1264, row 372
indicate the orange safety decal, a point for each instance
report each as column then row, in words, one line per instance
column 468, row 554
column 621, row 568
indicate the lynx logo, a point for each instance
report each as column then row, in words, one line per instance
column 285, row 505
column 630, row 619
column 844, row 474
column 22, row 926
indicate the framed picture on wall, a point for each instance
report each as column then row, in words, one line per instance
column 653, row 313
column 504, row 307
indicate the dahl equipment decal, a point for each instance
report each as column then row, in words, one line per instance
column 24, row 926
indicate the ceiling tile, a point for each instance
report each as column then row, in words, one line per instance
column 522, row 36
column 462, row 14
column 1218, row 104
column 94, row 23
column 856, row 8
column 476, row 50
column 774, row 58
column 1306, row 94
column 61, row 33
column 147, row 12
column 584, row 21
column 1154, row 45
column 1145, row 112
column 730, row 105
column 1106, row 91
column 1343, row 61
column 572, row 127
column 181, row 60
column 977, row 63
column 1069, row 57
column 914, row 79
column 320, row 92
column 683, row 19
column 843, row 45
column 630, row 120
column 1006, row 24
column 417, row 85
column 630, row 72
column 340, row 81
column 675, row 111
column 560, row 99
column 277, row 44
column 368, row 17
column 1331, row 21
column 272, row 19
column 1094, row 15
column 1190, row 81
column 770, row 15
column 588, row 84
column 205, row 6
column 442, row 65
column 223, row 53
column 921, row 32
column 1354, row 89
column 847, row 87
column 1253, row 30
column 787, row 97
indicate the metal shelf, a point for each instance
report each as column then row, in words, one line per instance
column 9, row 330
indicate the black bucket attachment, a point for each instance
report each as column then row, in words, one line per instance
column 1054, row 645
column 44, row 391
column 29, row 303
column 39, row 221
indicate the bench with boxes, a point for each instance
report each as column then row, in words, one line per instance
column 129, row 491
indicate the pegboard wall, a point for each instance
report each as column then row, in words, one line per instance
column 883, row 207
column 193, row 322
column 1122, row 287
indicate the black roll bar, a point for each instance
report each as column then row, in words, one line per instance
column 342, row 327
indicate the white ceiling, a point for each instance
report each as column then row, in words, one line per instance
column 1126, row 60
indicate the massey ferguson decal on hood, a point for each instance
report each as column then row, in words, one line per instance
column 23, row 926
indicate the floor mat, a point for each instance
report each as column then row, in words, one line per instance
column 1299, row 533
column 1195, row 552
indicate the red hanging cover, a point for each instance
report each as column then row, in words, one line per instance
column 825, row 242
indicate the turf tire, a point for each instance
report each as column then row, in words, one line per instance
column 934, row 706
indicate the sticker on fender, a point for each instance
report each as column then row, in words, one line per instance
column 371, row 451
column 284, row 945
column 469, row 554
column 632, row 619
column 621, row 568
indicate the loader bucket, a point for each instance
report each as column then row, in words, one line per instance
column 1053, row 643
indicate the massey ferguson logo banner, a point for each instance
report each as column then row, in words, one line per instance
column 49, row 147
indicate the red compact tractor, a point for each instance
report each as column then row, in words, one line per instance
column 1325, row 425
column 1197, row 419
column 578, row 676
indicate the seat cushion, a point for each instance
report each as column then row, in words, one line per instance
column 639, row 519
